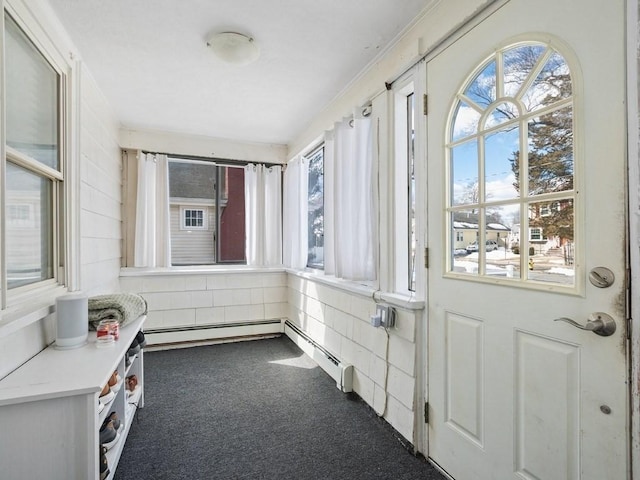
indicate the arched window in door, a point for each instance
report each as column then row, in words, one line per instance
column 511, row 169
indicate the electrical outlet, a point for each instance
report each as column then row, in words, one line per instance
column 387, row 315
column 375, row 320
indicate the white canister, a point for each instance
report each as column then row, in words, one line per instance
column 72, row 320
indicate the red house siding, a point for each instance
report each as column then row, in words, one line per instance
column 232, row 224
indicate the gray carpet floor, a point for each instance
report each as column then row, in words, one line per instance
column 257, row 410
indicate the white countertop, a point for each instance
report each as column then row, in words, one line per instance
column 60, row 373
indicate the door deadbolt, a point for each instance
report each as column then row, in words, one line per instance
column 601, row 277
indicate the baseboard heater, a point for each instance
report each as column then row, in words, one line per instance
column 340, row 372
column 212, row 332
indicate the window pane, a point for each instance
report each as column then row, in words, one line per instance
column 464, row 235
column 518, row 63
column 501, row 259
column 553, row 83
column 551, row 152
column 192, row 186
column 32, row 99
column 482, row 89
column 232, row 215
column 466, row 120
column 502, row 113
column 315, row 224
column 501, row 148
column 29, row 227
column 551, row 242
column 412, row 191
column 207, row 213
column 464, row 173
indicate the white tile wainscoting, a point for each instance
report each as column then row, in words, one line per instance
column 198, row 305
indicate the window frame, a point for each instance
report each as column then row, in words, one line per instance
column 526, row 199
column 404, row 153
column 64, row 215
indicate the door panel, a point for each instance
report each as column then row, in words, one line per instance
column 546, row 426
column 512, row 392
column 464, row 380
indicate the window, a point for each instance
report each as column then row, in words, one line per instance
column 193, row 219
column 405, row 186
column 411, row 191
column 535, row 234
column 33, row 163
column 511, row 164
column 545, row 211
column 207, row 213
column 315, row 224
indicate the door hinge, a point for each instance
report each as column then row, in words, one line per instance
column 426, row 412
column 425, row 104
column 426, row 257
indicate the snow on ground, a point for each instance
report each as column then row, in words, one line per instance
column 469, row 263
column 562, row 271
column 499, row 254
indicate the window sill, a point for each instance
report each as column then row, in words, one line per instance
column 195, row 270
column 406, row 302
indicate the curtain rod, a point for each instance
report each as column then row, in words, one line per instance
column 472, row 21
column 223, row 162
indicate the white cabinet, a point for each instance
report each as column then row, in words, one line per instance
column 49, row 419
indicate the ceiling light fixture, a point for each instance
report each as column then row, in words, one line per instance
column 234, row 48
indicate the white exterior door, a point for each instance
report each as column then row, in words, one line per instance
column 526, row 167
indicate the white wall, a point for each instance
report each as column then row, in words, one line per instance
column 101, row 192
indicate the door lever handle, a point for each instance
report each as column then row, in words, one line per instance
column 599, row 323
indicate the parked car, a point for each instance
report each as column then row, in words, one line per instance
column 491, row 245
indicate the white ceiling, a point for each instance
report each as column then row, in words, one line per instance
column 150, row 59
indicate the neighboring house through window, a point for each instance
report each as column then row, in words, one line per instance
column 207, row 212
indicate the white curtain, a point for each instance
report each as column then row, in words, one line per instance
column 273, row 215
column 295, row 214
column 349, row 181
column 263, row 215
column 253, row 219
column 152, row 233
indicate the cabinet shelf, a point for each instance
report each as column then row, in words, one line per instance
column 49, row 409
